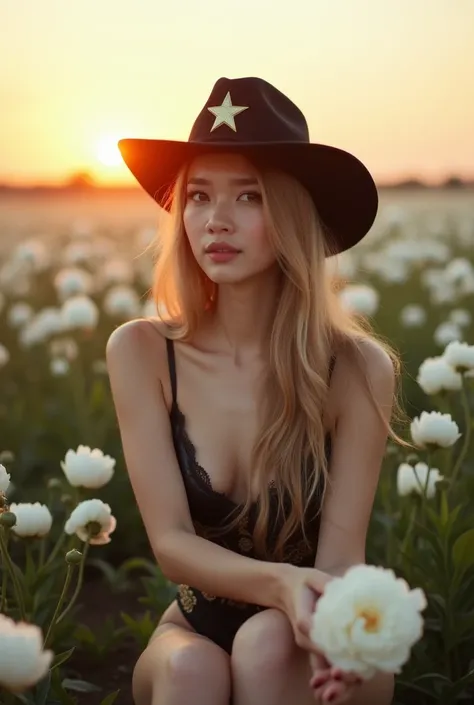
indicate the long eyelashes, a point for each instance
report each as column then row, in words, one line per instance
column 255, row 196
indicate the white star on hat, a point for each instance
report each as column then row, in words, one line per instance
column 226, row 112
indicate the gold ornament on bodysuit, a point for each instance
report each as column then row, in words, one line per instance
column 226, row 113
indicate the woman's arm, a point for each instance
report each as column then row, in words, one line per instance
column 137, row 362
column 356, row 458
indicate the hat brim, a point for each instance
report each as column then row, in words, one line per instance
column 341, row 187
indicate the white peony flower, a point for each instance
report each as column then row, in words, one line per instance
column 88, row 468
column 413, row 479
column 149, row 309
column 368, row 620
column 33, row 252
column 64, row 347
column 44, row 324
column 79, row 312
column 360, row 298
column 436, row 375
column 59, row 366
column 4, row 479
column 434, row 429
column 122, row 301
column 460, row 317
column 116, row 271
column 446, row 333
column 458, row 270
column 23, row 662
column 4, row 355
column 32, row 520
column 71, row 281
column 19, row 314
column 92, row 511
column 413, row 316
column 460, row 356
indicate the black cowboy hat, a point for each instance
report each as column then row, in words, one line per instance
column 251, row 116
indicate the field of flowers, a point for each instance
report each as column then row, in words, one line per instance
column 75, row 562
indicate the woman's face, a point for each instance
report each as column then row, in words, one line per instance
column 223, row 207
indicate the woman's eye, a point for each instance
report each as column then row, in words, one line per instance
column 191, row 195
column 252, row 196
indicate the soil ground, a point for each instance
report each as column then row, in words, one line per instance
column 115, row 671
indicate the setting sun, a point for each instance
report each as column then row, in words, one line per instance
column 107, row 151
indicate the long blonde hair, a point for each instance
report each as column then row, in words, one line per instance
column 309, row 326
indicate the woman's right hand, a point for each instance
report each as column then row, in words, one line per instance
column 302, row 587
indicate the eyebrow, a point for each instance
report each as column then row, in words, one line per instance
column 240, row 181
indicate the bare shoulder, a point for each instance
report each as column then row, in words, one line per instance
column 141, row 336
column 365, row 361
column 138, row 346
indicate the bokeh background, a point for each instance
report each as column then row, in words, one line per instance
column 389, row 81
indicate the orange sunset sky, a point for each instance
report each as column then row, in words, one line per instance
column 390, row 80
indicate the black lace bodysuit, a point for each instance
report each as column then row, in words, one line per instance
column 219, row 618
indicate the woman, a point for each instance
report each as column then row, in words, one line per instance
column 254, row 413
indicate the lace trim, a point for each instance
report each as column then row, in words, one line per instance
column 197, row 467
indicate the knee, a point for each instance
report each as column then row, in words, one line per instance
column 196, row 663
column 264, row 644
column 183, row 666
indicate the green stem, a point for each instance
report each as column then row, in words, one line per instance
column 411, row 522
column 62, row 597
column 13, row 576
column 41, row 553
column 79, row 583
column 3, row 602
column 79, row 396
column 467, row 435
column 54, row 552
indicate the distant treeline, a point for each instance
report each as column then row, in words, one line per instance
column 84, row 182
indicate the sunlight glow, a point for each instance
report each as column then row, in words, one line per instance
column 108, row 152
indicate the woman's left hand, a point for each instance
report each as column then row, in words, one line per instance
column 330, row 684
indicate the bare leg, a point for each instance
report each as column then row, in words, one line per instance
column 178, row 667
column 267, row 666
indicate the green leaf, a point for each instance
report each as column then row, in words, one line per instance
column 61, row 658
column 417, row 688
column 463, row 550
column 110, row 698
column 463, row 682
column 80, row 686
column 42, row 690
column 139, row 563
column 84, row 634
column 432, row 677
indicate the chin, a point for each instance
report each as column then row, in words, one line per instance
column 227, row 277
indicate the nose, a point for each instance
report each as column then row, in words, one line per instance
column 219, row 221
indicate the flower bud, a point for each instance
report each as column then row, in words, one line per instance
column 8, row 519
column 6, row 456
column 73, row 557
column 54, row 483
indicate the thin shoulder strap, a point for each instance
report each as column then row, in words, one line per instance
column 172, row 368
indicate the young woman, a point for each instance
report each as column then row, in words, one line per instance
column 254, row 412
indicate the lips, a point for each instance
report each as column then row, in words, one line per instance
column 221, row 247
